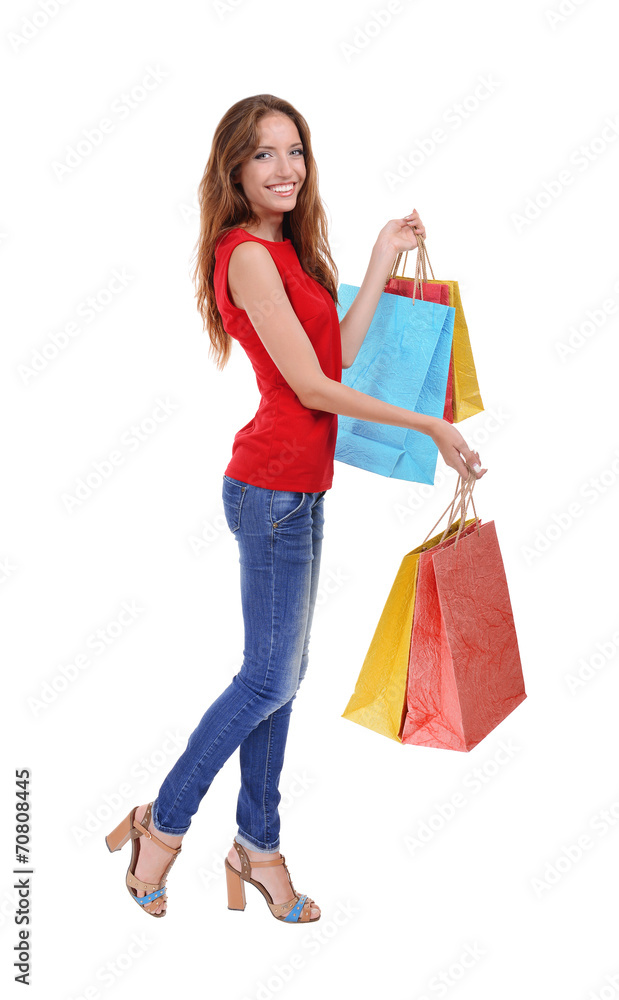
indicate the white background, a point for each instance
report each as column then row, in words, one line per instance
column 395, row 919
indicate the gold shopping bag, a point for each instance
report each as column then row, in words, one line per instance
column 379, row 699
column 465, row 388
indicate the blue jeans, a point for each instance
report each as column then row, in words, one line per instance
column 279, row 534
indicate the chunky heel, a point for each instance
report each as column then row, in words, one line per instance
column 132, row 829
column 236, row 889
column 295, row 911
column 119, row 837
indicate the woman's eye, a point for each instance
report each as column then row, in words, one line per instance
column 266, row 154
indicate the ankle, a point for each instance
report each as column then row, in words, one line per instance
column 172, row 840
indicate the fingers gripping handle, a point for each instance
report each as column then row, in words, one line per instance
column 421, row 263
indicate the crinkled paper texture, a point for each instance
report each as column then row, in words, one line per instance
column 466, row 396
column 465, row 674
column 379, row 698
column 430, row 292
column 403, row 360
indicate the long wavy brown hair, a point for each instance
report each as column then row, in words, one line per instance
column 223, row 206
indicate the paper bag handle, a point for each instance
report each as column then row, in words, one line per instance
column 464, row 489
column 422, row 252
column 421, row 273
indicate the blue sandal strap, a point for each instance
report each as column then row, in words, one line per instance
column 142, row 900
column 295, row 913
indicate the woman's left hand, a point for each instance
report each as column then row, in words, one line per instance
column 401, row 234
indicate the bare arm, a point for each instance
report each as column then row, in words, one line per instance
column 355, row 324
column 397, row 235
column 255, row 282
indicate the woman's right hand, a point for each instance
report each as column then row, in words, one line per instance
column 454, row 449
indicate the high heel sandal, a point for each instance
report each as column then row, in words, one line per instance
column 296, row 911
column 132, row 829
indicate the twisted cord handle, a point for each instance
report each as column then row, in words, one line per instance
column 423, row 259
column 464, row 489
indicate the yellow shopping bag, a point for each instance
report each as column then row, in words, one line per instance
column 465, row 388
column 379, row 699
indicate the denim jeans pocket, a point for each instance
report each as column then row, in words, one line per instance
column 233, row 494
column 285, row 504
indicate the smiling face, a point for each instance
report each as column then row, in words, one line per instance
column 273, row 175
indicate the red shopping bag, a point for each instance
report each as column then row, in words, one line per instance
column 465, row 674
column 420, row 288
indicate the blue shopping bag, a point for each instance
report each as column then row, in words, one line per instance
column 403, row 360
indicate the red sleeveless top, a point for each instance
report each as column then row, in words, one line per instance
column 285, row 446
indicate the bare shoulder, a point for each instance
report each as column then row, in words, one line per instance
column 251, row 271
column 250, row 250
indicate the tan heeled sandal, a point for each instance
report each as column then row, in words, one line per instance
column 131, row 829
column 296, row 911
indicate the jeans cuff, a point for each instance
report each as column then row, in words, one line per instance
column 253, row 845
column 174, row 831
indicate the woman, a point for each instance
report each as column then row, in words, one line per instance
column 265, row 277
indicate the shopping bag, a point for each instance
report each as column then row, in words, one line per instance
column 403, row 360
column 464, row 674
column 420, row 287
column 379, row 699
column 465, row 388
